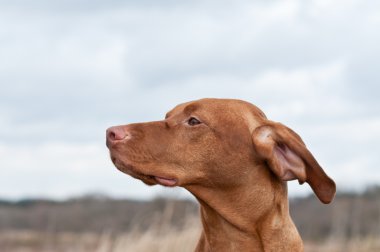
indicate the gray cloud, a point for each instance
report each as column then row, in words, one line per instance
column 70, row 69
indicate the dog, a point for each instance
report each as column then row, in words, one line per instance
column 234, row 161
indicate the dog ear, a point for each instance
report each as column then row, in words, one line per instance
column 288, row 158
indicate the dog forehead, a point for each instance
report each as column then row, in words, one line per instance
column 206, row 105
column 222, row 108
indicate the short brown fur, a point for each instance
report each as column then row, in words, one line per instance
column 235, row 162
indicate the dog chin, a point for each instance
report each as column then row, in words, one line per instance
column 131, row 171
column 148, row 182
column 148, row 179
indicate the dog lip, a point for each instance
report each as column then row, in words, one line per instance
column 131, row 170
column 165, row 181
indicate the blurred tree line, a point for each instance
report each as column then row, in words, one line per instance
column 351, row 215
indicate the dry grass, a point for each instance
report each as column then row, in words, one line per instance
column 159, row 240
column 161, row 236
column 107, row 242
column 167, row 225
column 369, row 244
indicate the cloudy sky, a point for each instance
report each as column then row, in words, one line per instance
column 70, row 69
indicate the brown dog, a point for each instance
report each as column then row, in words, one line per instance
column 234, row 161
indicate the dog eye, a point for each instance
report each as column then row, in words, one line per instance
column 193, row 121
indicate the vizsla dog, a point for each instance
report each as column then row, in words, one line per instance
column 234, row 161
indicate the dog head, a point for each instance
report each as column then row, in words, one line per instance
column 214, row 143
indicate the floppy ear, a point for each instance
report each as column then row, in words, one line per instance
column 288, row 157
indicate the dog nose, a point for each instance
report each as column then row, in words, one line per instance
column 116, row 133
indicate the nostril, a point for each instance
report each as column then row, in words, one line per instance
column 112, row 135
column 116, row 133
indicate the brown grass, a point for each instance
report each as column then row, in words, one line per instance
column 160, row 240
column 369, row 244
column 168, row 226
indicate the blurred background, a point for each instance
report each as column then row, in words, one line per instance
column 70, row 69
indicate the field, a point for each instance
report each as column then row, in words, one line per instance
column 168, row 241
column 100, row 224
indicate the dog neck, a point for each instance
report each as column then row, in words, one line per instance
column 235, row 221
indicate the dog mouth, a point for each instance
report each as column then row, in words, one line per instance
column 165, row 181
column 148, row 179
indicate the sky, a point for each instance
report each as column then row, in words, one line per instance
column 70, row 69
